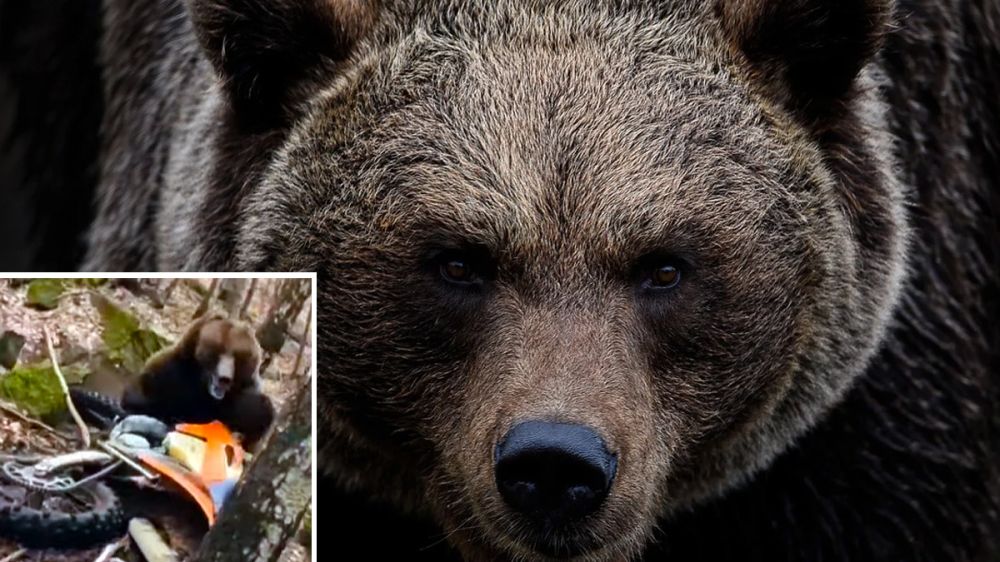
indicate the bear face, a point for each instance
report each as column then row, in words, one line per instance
column 228, row 354
column 648, row 243
column 620, row 220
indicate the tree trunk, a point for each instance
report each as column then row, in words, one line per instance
column 206, row 300
column 231, row 293
column 245, row 309
column 267, row 508
column 303, row 341
column 169, row 290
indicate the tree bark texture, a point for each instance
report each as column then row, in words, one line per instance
column 267, row 508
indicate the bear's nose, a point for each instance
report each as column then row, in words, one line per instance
column 553, row 472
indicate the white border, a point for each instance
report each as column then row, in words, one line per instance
column 227, row 275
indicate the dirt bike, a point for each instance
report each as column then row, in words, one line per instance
column 64, row 501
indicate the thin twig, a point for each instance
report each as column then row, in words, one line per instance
column 75, row 293
column 109, row 551
column 15, row 555
column 10, row 409
column 60, row 297
column 84, row 432
column 149, row 541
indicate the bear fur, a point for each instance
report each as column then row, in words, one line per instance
column 823, row 383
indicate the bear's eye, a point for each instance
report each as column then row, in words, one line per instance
column 665, row 277
column 457, row 271
column 658, row 273
column 467, row 268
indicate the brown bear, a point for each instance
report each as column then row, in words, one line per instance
column 599, row 280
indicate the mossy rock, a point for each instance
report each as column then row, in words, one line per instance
column 126, row 343
column 44, row 294
column 36, row 390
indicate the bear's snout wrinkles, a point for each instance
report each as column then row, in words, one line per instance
column 554, row 473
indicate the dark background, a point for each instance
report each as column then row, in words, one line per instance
column 50, row 108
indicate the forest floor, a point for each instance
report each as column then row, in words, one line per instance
column 76, row 325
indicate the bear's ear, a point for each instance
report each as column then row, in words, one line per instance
column 807, row 53
column 264, row 50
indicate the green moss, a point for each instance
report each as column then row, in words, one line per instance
column 126, row 343
column 35, row 388
column 44, row 293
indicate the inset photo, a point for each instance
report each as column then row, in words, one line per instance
column 156, row 419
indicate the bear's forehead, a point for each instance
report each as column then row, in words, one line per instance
column 513, row 146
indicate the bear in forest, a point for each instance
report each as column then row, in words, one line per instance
column 598, row 281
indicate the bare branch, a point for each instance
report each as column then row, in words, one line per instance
column 84, row 432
